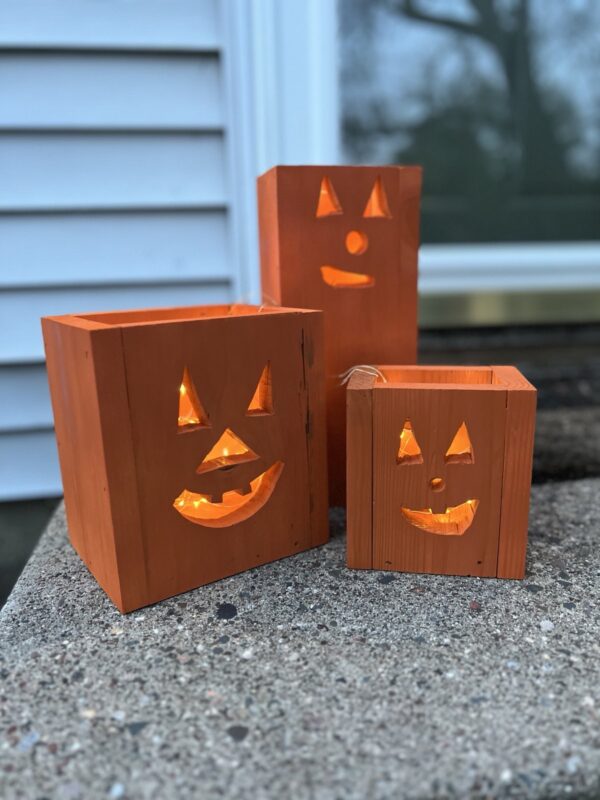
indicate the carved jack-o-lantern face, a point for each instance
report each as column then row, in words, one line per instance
column 356, row 242
column 438, row 443
column 240, row 501
column 437, row 475
column 455, row 520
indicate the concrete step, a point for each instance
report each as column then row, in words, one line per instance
column 304, row 679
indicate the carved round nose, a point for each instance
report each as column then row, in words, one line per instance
column 356, row 242
column 437, row 484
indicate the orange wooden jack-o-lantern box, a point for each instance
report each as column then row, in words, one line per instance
column 439, row 469
column 191, row 441
column 345, row 240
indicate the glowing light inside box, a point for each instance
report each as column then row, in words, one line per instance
column 191, row 411
column 233, row 506
column 187, row 415
column 228, row 451
column 409, row 451
column 461, row 449
column 328, row 203
column 356, row 242
column 342, row 278
column 455, row 521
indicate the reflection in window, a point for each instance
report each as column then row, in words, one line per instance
column 498, row 99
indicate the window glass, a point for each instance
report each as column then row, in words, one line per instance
column 499, row 100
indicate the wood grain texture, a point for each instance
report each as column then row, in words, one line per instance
column 516, row 481
column 80, row 439
column 375, row 323
column 316, row 425
column 118, row 418
column 497, row 406
column 436, row 412
column 359, row 476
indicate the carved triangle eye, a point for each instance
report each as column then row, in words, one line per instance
column 377, row 204
column 409, row 451
column 191, row 411
column 461, row 449
column 328, row 203
column 262, row 399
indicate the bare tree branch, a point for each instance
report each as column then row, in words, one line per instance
column 413, row 11
column 489, row 22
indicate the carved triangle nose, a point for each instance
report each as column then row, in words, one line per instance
column 227, row 452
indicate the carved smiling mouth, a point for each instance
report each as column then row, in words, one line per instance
column 455, row 521
column 234, row 506
column 344, row 279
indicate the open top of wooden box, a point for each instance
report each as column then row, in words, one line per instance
column 490, row 377
column 144, row 316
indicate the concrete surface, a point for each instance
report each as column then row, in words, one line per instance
column 303, row 679
column 567, row 444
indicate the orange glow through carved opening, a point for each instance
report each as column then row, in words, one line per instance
column 262, row 399
column 235, row 506
column 409, row 451
column 328, row 203
column 377, row 205
column 461, row 449
column 191, row 412
column 356, row 242
column 341, row 278
column 227, row 452
column 455, row 521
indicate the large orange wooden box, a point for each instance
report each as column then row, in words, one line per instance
column 191, row 442
column 439, row 469
column 345, row 239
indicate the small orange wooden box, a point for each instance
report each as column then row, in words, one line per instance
column 439, row 469
column 345, row 240
column 191, row 442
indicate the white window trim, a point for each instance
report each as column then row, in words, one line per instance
column 281, row 73
column 281, row 66
column 522, row 267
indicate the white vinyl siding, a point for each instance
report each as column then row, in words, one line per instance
column 131, row 135
column 114, row 187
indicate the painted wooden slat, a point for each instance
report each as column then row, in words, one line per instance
column 108, row 90
column 144, row 24
column 80, row 171
column 24, row 398
column 63, row 249
column 20, row 310
column 29, row 465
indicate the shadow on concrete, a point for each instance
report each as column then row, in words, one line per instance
column 21, row 524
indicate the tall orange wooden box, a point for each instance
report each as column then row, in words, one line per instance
column 345, row 240
column 439, row 469
column 191, row 442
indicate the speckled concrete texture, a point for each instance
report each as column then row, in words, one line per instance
column 567, row 444
column 303, row 679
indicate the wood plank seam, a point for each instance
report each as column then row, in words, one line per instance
column 137, row 487
column 502, row 488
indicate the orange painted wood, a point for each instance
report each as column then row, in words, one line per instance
column 492, row 476
column 518, row 458
column 372, row 321
column 126, row 459
column 87, row 386
column 359, row 478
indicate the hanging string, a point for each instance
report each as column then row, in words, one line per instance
column 267, row 302
column 368, row 369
